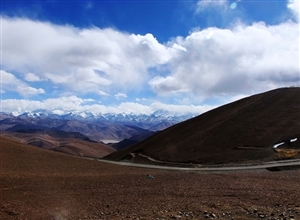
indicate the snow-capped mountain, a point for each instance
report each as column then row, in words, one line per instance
column 100, row 127
column 139, row 120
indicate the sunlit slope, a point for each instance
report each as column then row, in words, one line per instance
column 22, row 160
column 18, row 159
column 72, row 143
column 244, row 130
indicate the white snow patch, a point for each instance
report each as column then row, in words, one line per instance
column 293, row 140
column 110, row 141
column 276, row 145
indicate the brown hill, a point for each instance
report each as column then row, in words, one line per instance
column 72, row 143
column 244, row 130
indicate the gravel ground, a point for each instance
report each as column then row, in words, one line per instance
column 116, row 192
column 39, row 184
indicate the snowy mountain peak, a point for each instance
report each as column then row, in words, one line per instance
column 140, row 120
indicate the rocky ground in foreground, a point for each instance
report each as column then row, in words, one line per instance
column 124, row 193
column 38, row 184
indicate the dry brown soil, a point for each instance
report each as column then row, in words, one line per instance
column 39, row 184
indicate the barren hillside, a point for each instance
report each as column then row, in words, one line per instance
column 72, row 143
column 243, row 131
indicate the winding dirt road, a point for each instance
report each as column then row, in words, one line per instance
column 198, row 167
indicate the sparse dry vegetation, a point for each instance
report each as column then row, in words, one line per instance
column 285, row 154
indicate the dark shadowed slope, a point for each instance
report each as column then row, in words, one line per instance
column 242, row 131
column 133, row 140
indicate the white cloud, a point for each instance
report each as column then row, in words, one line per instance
column 101, row 93
column 120, row 95
column 132, row 107
column 65, row 103
column 166, row 85
column 27, row 90
column 11, row 83
column 79, row 60
column 204, row 4
column 242, row 60
column 73, row 103
column 31, row 77
column 18, row 106
column 233, row 62
column 181, row 109
column 293, row 5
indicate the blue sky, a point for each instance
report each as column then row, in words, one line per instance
column 141, row 56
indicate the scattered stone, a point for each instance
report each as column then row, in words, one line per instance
column 213, row 215
column 149, row 176
column 282, row 214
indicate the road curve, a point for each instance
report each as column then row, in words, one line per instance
column 284, row 163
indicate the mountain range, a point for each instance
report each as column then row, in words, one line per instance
column 158, row 120
column 107, row 127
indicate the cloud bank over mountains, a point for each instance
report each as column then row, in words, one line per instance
column 58, row 66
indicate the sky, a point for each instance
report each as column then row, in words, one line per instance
column 140, row 56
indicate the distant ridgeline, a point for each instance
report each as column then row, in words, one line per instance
column 98, row 127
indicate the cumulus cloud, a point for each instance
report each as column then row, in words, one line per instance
column 166, row 85
column 244, row 59
column 237, row 61
column 11, row 83
column 18, row 106
column 62, row 104
column 81, row 60
column 31, row 77
column 293, row 5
